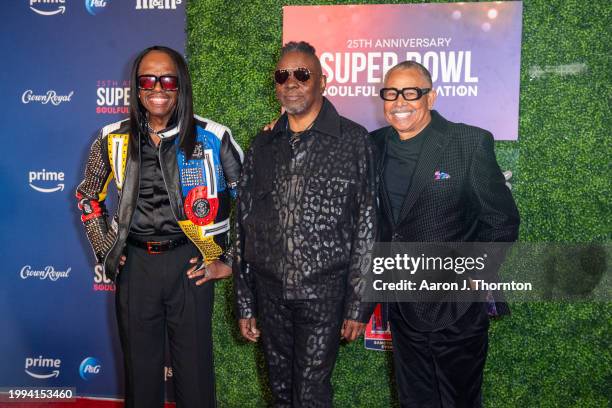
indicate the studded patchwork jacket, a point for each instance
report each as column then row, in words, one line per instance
column 199, row 190
column 306, row 215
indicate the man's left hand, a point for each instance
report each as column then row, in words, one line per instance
column 351, row 329
column 214, row 270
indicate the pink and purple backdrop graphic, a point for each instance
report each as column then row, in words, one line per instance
column 472, row 50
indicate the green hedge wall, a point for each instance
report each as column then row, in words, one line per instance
column 545, row 354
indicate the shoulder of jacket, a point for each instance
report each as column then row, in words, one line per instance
column 379, row 134
column 121, row 126
column 261, row 138
column 463, row 129
column 468, row 134
column 352, row 127
column 378, row 137
column 213, row 127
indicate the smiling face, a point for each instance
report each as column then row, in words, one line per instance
column 408, row 118
column 300, row 98
column 159, row 104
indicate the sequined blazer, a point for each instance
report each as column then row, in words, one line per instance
column 306, row 215
column 457, row 194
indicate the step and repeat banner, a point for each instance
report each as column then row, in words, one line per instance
column 472, row 50
column 64, row 75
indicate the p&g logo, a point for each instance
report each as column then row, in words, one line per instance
column 89, row 368
column 94, row 7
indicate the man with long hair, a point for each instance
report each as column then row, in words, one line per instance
column 168, row 241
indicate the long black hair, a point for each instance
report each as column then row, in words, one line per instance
column 183, row 112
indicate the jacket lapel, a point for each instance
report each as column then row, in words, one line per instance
column 385, row 203
column 432, row 148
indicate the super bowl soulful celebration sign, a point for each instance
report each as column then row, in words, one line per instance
column 66, row 75
column 471, row 49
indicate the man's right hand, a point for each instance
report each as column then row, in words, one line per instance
column 248, row 329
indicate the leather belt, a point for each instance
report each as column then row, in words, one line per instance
column 158, row 247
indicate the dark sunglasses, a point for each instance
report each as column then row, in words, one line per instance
column 282, row 75
column 409, row 94
column 167, row 82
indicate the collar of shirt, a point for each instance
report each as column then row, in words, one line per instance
column 169, row 132
column 327, row 122
column 165, row 135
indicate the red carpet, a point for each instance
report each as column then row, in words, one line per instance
column 79, row 403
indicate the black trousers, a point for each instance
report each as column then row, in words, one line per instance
column 154, row 298
column 300, row 343
column 444, row 368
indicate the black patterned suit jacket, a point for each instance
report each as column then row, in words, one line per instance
column 472, row 204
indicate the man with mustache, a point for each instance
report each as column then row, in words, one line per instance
column 306, row 223
column 440, row 183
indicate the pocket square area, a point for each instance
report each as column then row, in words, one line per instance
column 440, row 175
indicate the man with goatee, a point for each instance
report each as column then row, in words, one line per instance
column 305, row 226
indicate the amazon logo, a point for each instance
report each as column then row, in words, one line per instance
column 42, row 368
column 49, row 7
column 35, row 177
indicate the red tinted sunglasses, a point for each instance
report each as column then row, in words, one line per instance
column 282, row 75
column 167, row 82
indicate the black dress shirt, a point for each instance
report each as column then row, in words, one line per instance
column 153, row 215
column 401, row 160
